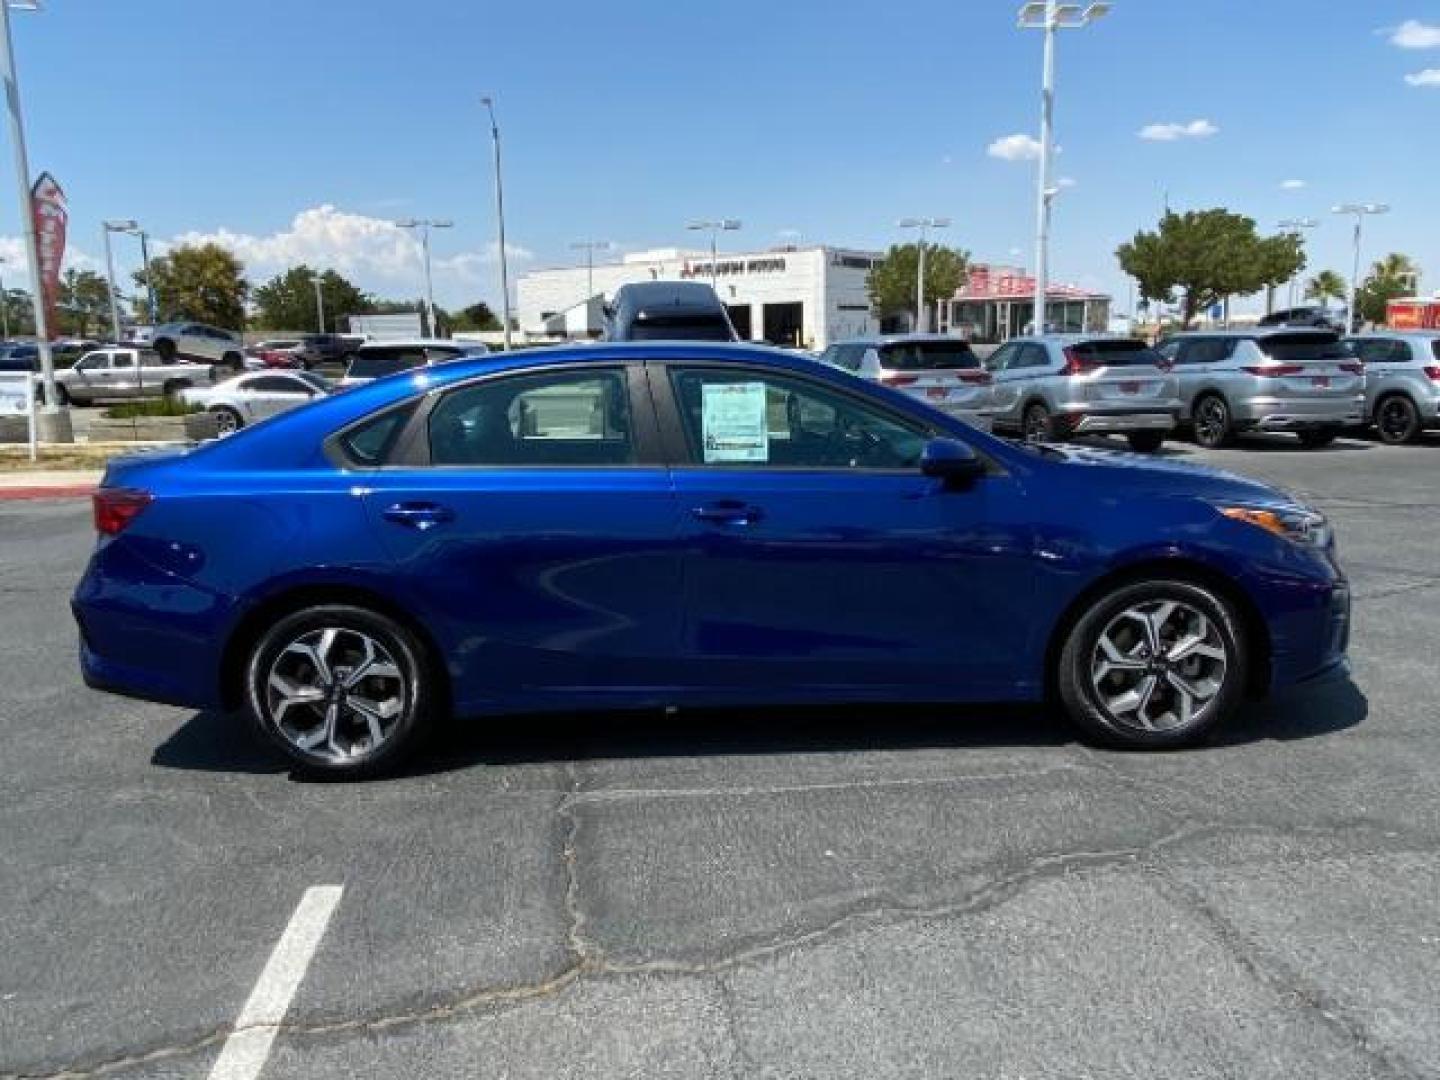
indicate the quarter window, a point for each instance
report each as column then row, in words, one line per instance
column 739, row 419
column 566, row 419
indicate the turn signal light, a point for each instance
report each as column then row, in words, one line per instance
column 115, row 508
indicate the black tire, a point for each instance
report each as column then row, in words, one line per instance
column 1315, row 438
column 166, row 350
column 174, row 386
column 1079, row 685
column 1037, row 425
column 1211, row 419
column 1145, row 442
column 418, row 689
column 1397, row 421
column 227, row 420
column 62, row 396
column 234, row 361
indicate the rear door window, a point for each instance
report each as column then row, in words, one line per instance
column 928, row 356
column 1119, row 352
column 1381, row 350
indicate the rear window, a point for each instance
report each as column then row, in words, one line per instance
column 370, row 443
column 928, row 356
column 696, row 327
column 1122, row 352
column 377, row 363
column 1298, row 348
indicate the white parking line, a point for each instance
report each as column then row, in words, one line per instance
column 248, row 1046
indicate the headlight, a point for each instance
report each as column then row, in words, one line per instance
column 1297, row 523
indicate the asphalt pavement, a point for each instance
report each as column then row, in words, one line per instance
column 859, row 892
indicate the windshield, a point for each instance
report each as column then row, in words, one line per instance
column 697, row 327
column 1122, row 352
column 928, row 356
column 377, row 363
column 1297, row 348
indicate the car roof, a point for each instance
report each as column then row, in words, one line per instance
column 1072, row 339
column 1418, row 335
column 417, row 343
column 1256, row 332
column 902, row 339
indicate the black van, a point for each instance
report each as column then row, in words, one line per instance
column 667, row 311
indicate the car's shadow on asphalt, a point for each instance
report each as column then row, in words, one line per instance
column 221, row 742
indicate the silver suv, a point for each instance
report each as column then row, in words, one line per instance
column 1402, row 382
column 1049, row 388
column 943, row 372
column 199, row 343
column 1282, row 379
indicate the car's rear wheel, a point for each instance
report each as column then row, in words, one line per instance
column 1038, row 425
column 173, row 387
column 234, row 361
column 1314, row 438
column 1145, row 442
column 1397, row 421
column 342, row 690
column 227, row 420
column 1153, row 664
column 1211, row 417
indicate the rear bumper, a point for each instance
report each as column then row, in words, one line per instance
column 1290, row 414
column 1105, row 423
column 975, row 417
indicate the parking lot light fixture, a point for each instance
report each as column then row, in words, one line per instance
column 1297, row 227
column 108, row 227
column 922, row 223
column 1049, row 16
column 489, row 104
column 1358, row 210
column 590, row 247
column 423, row 227
column 715, row 228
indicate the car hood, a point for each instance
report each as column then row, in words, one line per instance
column 1133, row 474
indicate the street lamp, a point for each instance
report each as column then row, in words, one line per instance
column 1359, row 210
column 590, row 247
column 320, row 306
column 106, row 228
column 424, row 225
column 716, row 227
column 1049, row 16
column 922, row 223
column 489, row 104
column 1295, row 226
column 56, row 419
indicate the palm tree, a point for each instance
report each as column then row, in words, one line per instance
column 1397, row 268
column 1324, row 286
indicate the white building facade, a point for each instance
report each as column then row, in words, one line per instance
column 796, row 297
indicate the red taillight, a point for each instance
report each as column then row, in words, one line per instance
column 1433, row 372
column 115, row 508
column 1276, row 371
column 899, row 380
column 977, row 376
column 1077, row 365
column 1353, row 367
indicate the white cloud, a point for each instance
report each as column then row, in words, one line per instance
column 1066, row 182
column 1413, row 34
column 1292, row 185
column 1170, row 132
column 1428, row 77
column 15, row 264
column 1017, row 147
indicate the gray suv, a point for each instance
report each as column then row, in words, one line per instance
column 943, row 372
column 1402, row 382
column 1049, row 388
column 1281, row 379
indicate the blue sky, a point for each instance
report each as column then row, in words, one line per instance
column 298, row 129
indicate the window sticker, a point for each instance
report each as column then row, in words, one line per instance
column 732, row 422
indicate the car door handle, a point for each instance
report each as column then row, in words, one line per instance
column 419, row 515
column 728, row 512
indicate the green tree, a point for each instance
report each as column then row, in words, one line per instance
column 287, row 301
column 891, row 282
column 204, row 283
column 1325, row 286
column 477, row 316
column 1208, row 255
column 1395, row 275
column 84, row 301
column 19, row 312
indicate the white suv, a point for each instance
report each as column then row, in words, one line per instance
column 198, row 342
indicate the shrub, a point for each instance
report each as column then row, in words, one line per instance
column 156, row 407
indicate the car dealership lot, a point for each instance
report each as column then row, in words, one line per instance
column 853, row 892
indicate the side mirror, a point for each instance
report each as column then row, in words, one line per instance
column 952, row 462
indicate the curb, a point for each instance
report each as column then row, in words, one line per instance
column 59, row 491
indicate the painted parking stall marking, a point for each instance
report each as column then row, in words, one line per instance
column 245, row 1051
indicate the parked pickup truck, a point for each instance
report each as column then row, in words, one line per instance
column 126, row 372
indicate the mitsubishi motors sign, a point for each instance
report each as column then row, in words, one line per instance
column 47, row 203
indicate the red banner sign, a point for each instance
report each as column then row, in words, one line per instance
column 47, row 202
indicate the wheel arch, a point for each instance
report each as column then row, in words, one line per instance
column 1185, row 568
column 297, row 597
column 1373, row 416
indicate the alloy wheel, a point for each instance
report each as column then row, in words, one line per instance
column 1396, row 420
column 1158, row 666
column 336, row 694
column 226, row 422
column 1037, row 424
column 1212, row 422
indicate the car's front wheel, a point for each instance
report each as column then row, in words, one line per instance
column 1038, row 426
column 342, row 690
column 1213, row 426
column 1153, row 664
column 227, row 420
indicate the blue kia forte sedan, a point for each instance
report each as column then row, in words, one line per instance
column 685, row 524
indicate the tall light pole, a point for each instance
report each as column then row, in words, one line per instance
column 4, row 307
column 715, row 228
column 320, row 305
column 106, row 228
column 489, row 104
column 57, row 419
column 1359, row 210
column 1297, row 227
column 424, row 225
column 922, row 223
column 590, row 247
column 149, row 277
column 1049, row 16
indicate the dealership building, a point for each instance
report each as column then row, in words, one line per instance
column 793, row 296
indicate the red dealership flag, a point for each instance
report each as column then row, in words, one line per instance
column 47, row 202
